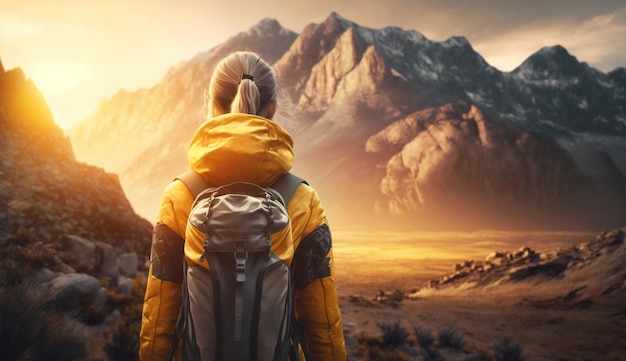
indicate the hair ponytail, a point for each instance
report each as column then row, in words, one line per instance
column 247, row 99
column 241, row 83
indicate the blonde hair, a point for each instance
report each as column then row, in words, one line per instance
column 241, row 83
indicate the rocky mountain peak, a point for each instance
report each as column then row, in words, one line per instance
column 618, row 76
column 315, row 41
column 22, row 98
column 24, row 104
column 268, row 34
column 553, row 62
column 1, row 67
column 269, row 26
column 334, row 20
column 459, row 41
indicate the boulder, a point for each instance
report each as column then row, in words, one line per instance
column 124, row 285
column 84, row 249
column 106, row 261
column 46, row 275
column 100, row 298
column 73, row 287
column 128, row 263
column 494, row 255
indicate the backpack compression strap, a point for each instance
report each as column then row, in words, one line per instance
column 285, row 185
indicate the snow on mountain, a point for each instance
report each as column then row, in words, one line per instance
column 551, row 92
column 561, row 96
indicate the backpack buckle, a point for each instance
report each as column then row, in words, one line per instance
column 241, row 256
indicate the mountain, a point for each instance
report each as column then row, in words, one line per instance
column 561, row 95
column 44, row 191
column 345, row 87
column 549, row 92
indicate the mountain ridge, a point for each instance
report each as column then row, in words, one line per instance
column 340, row 83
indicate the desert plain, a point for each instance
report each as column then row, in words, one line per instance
column 533, row 313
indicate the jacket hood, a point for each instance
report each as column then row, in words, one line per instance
column 239, row 147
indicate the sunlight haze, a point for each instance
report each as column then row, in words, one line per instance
column 79, row 53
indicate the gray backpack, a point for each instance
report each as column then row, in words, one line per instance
column 240, row 307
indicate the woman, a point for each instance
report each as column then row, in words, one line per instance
column 240, row 143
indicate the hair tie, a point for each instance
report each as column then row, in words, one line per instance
column 247, row 76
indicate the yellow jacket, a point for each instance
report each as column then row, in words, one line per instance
column 226, row 149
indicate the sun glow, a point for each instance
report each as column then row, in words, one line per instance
column 59, row 75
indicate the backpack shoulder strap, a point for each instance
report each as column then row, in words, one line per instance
column 194, row 182
column 287, row 185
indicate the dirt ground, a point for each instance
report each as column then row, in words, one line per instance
column 546, row 334
column 552, row 333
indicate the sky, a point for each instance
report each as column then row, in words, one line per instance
column 80, row 52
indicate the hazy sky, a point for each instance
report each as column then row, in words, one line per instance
column 79, row 52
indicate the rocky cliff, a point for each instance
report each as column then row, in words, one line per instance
column 70, row 241
column 457, row 156
column 45, row 189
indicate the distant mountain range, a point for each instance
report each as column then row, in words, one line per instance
column 396, row 130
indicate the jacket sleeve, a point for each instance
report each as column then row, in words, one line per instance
column 163, row 291
column 316, row 300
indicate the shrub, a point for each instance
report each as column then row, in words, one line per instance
column 507, row 349
column 394, row 334
column 397, row 296
column 372, row 349
column 424, row 337
column 366, row 340
column 451, row 338
column 37, row 332
column 22, row 255
column 376, row 354
column 122, row 335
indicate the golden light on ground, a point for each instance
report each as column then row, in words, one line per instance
column 361, row 258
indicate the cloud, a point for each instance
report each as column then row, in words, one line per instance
column 600, row 41
column 595, row 39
